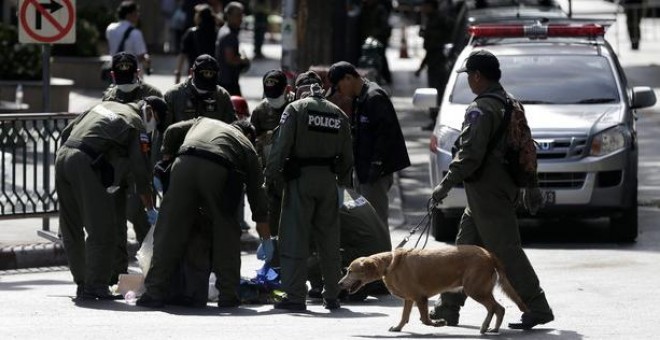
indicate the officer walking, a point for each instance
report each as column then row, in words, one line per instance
column 312, row 153
column 213, row 162
column 100, row 147
column 265, row 118
column 199, row 95
column 489, row 220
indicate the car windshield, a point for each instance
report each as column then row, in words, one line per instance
column 556, row 79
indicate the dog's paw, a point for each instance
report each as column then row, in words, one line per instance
column 439, row 323
column 395, row 329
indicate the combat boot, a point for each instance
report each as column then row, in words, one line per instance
column 331, row 304
column 531, row 319
column 149, row 301
column 449, row 313
column 95, row 292
column 289, row 305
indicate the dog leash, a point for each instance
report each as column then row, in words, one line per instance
column 426, row 222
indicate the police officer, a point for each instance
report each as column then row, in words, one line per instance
column 362, row 233
column 213, row 162
column 127, row 87
column 312, row 152
column 489, row 220
column 199, row 95
column 100, row 147
column 265, row 118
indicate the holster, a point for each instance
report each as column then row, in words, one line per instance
column 291, row 169
column 99, row 163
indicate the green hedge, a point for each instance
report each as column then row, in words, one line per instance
column 18, row 61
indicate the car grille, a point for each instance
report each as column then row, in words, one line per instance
column 560, row 147
column 561, row 180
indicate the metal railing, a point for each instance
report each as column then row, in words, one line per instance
column 28, row 144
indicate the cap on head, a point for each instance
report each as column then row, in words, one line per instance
column 124, row 67
column 240, row 106
column 274, row 83
column 205, row 72
column 339, row 70
column 308, row 78
column 159, row 107
column 484, row 62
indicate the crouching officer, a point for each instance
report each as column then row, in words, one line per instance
column 213, row 162
column 100, row 148
column 312, row 153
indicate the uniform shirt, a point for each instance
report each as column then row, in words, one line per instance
column 183, row 103
column 265, row 118
column 117, row 131
column 134, row 42
column 144, row 90
column 227, row 39
column 229, row 142
column 312, row 128
column 482, row 119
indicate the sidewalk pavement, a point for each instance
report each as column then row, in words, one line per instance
column 21, row 247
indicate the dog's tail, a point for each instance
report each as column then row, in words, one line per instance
column 506, row 286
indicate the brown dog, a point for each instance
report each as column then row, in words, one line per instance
column 417, row 274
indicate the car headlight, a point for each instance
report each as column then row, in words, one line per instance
column 444, row 138
column 608, row 141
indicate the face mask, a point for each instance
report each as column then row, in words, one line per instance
column 200, row 91
column 278, row 102
column 127, row 87
column 150, row 124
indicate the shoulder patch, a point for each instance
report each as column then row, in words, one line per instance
column 472, row 116
column 285, row 115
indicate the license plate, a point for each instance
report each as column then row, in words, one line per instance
column 549, row 197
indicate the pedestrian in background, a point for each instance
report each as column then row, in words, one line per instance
column 214, row 160
column 199, row 95
column 489, row 220
column 378, row 143
column 260, row 11
column 125, row 30
column 197, row 40
column 634, row 11
column 99, row 149
column 227, row 51
column 311, row 155
column 437, row 29
column 374, row 22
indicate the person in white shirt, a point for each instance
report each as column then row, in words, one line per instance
column 128, row 14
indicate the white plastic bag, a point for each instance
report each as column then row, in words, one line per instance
column 146, row 252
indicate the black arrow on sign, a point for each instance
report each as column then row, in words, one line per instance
column 52, row 7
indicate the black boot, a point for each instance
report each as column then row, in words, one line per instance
column 531, row 319
column 449, row 313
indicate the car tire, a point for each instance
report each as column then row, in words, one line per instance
column 623, row 227
column 444, row 228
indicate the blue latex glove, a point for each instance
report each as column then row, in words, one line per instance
column 266, row 250
column 152, row 216
column 158, row 185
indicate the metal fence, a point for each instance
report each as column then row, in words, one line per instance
column 28, row 143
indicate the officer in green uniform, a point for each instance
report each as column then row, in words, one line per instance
column 128, row 88
column 362, row 233
column 199, row 95
column 100, row 147
column 490, row 218
column 312, row 152
column 265, row 118
column 213, row 162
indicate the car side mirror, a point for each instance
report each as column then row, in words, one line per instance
column 642, row 96
column 425, row 98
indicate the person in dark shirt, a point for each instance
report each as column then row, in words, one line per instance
column 197, row 40
column 227, row 51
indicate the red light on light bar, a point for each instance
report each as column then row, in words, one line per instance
column 536, row 31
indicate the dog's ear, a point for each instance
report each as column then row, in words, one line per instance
column 370, row 268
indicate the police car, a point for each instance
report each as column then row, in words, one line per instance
column 581, row 111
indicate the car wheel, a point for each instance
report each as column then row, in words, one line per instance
column 623, row 227
column 444, row 228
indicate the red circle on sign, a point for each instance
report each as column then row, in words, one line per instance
column 36, row 36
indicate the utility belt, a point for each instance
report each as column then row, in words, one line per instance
column 293, row 165
column 235, row 179
column 99, row 163
column 208, row 155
